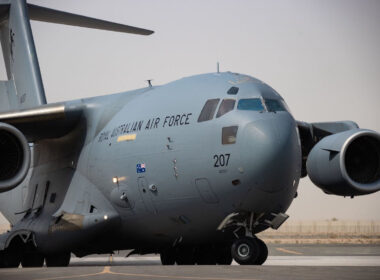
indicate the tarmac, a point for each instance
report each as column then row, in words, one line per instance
column 284, row 262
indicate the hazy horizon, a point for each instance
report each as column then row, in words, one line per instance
column 321, row 56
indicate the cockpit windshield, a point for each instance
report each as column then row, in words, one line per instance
column 274, row 105
column 251, row 104
column 247, row 104
column 262, row 105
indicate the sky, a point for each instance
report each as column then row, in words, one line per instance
column 321, row 56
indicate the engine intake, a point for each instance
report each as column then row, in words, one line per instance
column 14, row 157
column 346, row 163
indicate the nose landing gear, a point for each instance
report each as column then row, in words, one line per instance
column 244, row 250
column 249, row 251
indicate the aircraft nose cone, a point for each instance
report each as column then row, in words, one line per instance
column 271, row 152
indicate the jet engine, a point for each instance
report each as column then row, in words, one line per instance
column 14, row 157
column 346, row 163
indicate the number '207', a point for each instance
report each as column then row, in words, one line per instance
column 221, row 160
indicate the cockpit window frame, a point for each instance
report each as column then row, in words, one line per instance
column 207, row 113
column 229, row 109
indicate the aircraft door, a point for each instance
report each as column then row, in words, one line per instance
column 146, row 194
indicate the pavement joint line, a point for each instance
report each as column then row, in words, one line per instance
column 107, row 270
column 70, row 276
column 177, row 276
column 288, row 251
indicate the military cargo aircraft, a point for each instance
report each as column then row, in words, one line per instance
column 193, row 179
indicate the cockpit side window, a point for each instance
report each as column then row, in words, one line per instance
column 208, row 110
column 275, row 105
column 252, row 104
column 229, row 134
column 226, row 106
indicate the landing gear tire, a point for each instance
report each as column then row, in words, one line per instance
column 185, row 256
column 32, row 260
column 245, row 250
column 206, row 256
column 168, row 257
column 9, row 259
column 223, row 255
column 263, row 252
column 58, row 260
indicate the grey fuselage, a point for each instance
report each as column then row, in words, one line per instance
column 149, row 168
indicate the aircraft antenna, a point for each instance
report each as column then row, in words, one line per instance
column 217, row 67
column 150, row 82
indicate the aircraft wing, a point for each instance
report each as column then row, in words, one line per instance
column 47, row 121
column 312, row 133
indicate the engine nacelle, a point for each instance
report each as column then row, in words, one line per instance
column 346, row 163
column 14, row 157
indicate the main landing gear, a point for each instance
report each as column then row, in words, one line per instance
column 201, row 255
column 244, row 250
column 25, row 253
column 58, row 260
column 12, row 259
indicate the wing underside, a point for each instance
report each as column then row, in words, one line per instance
column 47, row 121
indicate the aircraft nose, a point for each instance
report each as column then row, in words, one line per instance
column 271, row 152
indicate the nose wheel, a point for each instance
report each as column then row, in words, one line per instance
column 244, row 250
column 249, row 251
column 263, row 252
